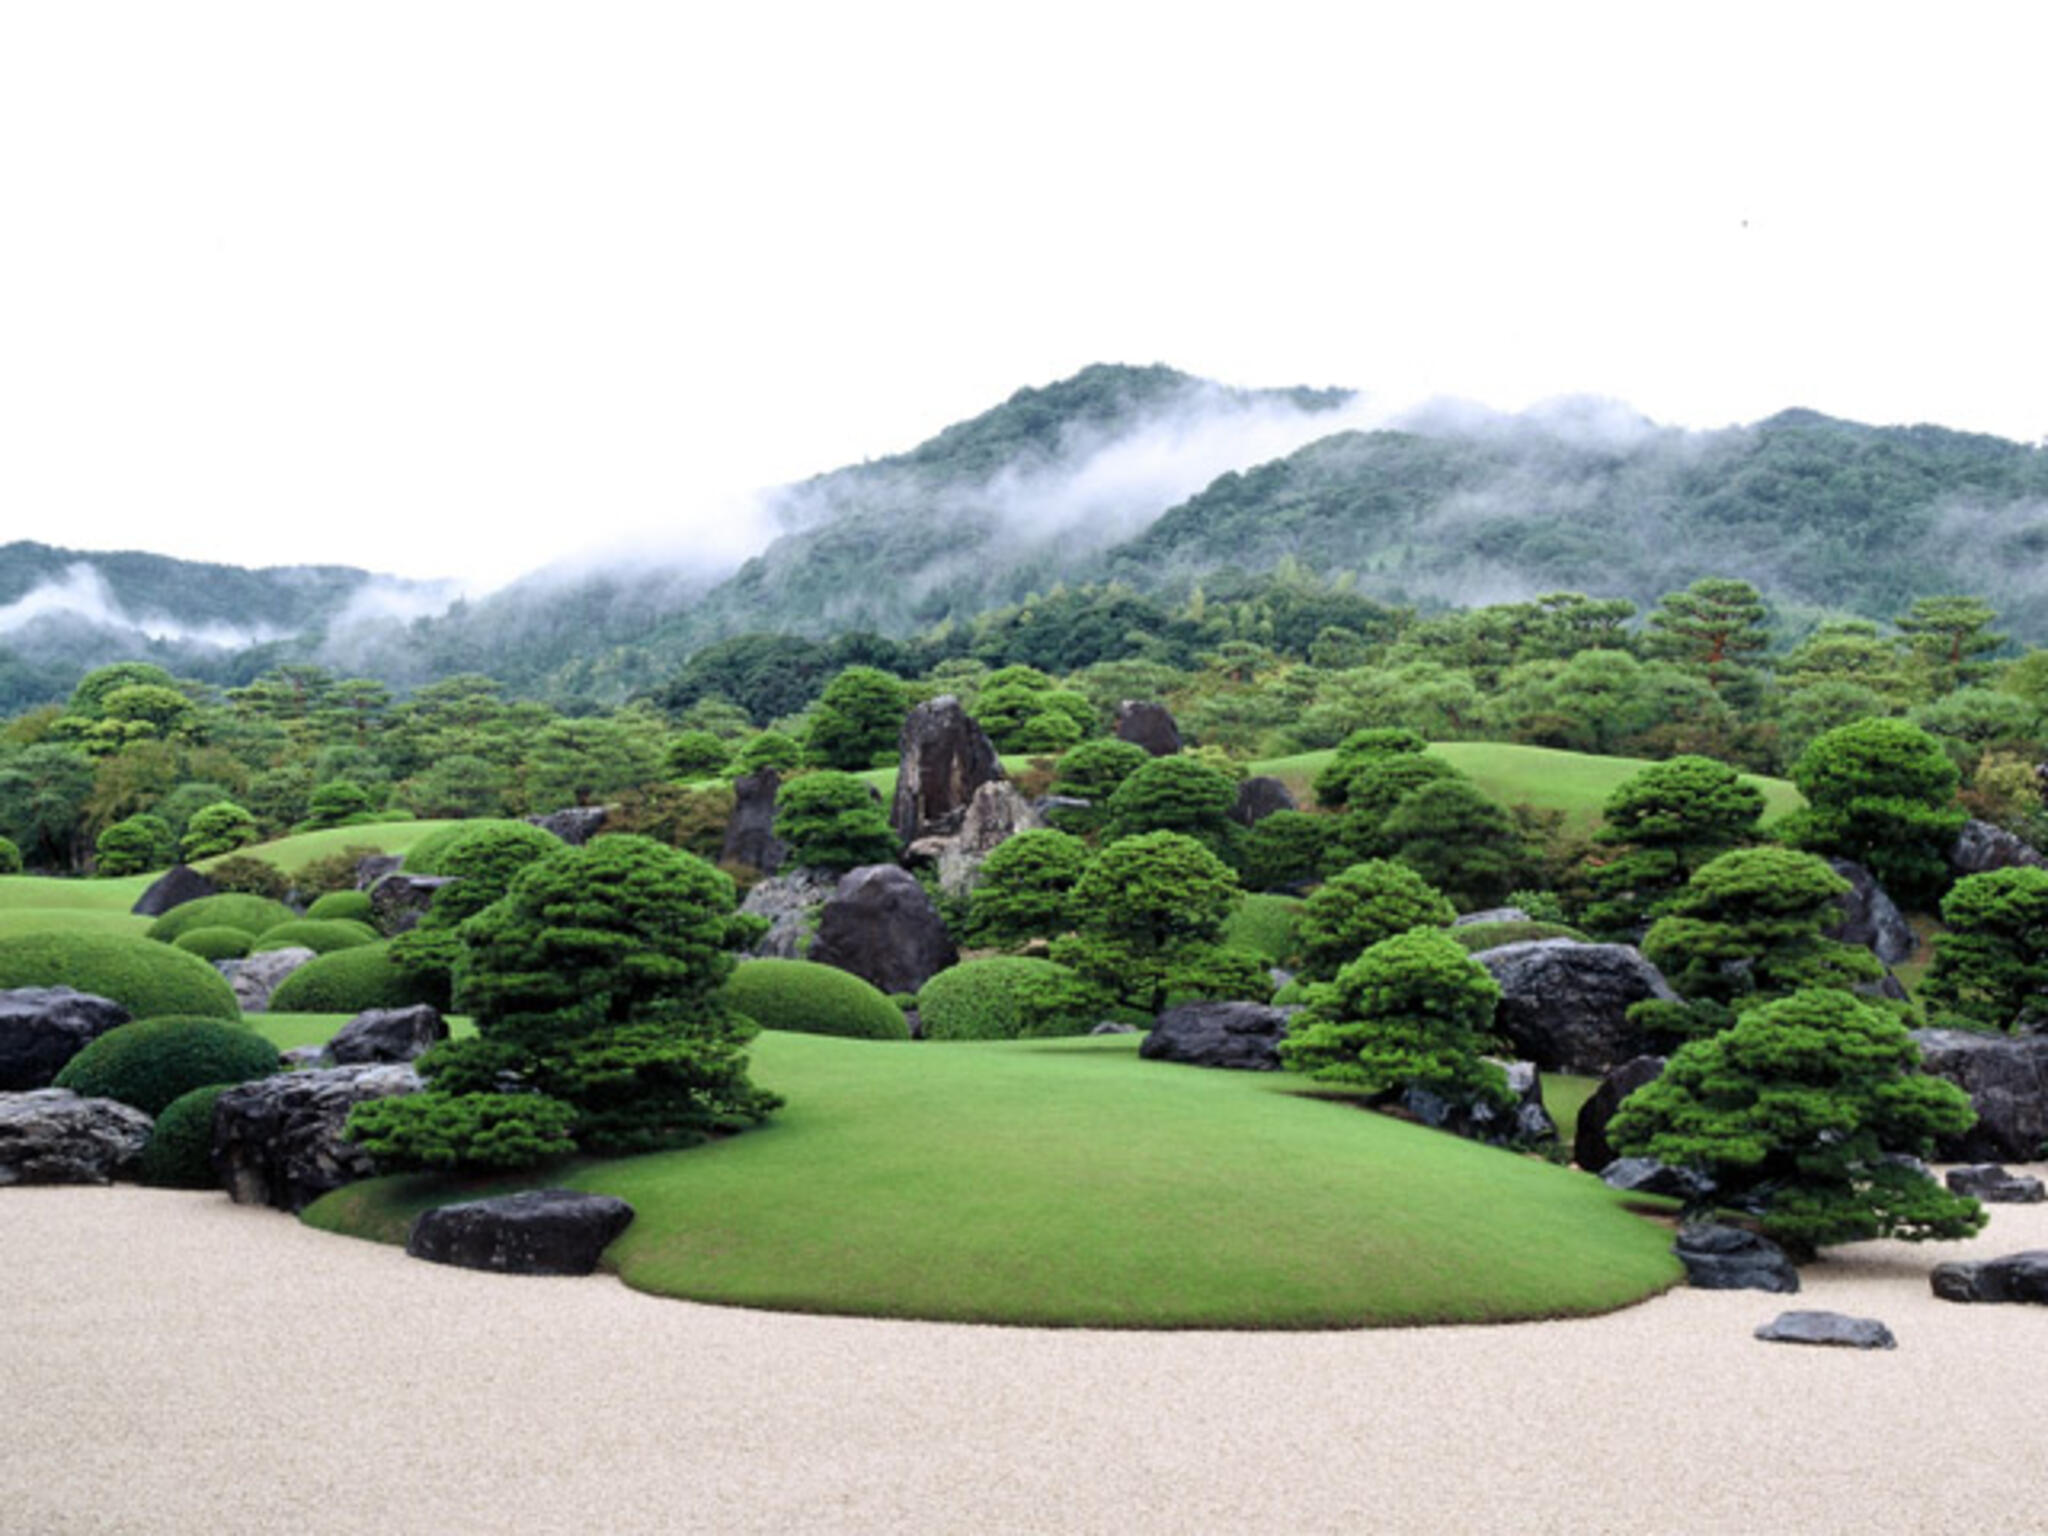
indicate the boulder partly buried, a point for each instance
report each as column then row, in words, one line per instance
column 52, row 1136
column 387, row 1034
column 540, row 1232
column 2006, row 1077
column 1243, row 1036
column 1591, row 1149
column 881, row 926
column 2017, row 1277
column 255, row 977
column 1718, row 1258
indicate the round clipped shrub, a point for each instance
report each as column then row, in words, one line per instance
column 10, row 857
column 248, row 875
column 252, row 914
column 424, row 857
column 341, row 906
column 153, row 1061
column 484, row 859
column 179, row 1154
column 146, row 978
column 321, row 937
column 810, row 999
column 214, row 943
column 349, row 981
column 1005, row 997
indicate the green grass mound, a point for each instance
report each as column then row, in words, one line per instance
column 1069, row 1183
column 252, row 914
column 215, row 943
column 812, row 1000
column 179, row 1152
column 153, row 1061
column 424, row 857
column 1478, row 936
column 323, row 937
column 45, row 893
column 148, row 979
column 1004, row 997
column 15, row 921
column 292, row 854
column 341, row 907
column 348, row 981
column 1263, row 925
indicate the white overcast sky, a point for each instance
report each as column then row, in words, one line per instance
column 454, row 290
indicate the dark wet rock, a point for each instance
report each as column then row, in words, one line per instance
column 1525, row 1122
column 255, row 977
column 52, row 1136
column 372, row 867
column 277, row 1141
column 1259, row 797
column 398, row 902
column 880, row 925
column 1243, row 1036
column 1148, row 725
column 1831, row 1329
column 575, row 824
column 173, row 888
column 2017, row 1277
column 1718, row 1258
column 943, row 757
column 2006, row 1077
column 791, row 904
column 1564, row 1005
column 750, row 833
column 1647, row 1176
column 1591, row 1149
column 42, row 1028
column 539, row 1232
column 387, row 1034
column 1870, row 917
column 1981, row 847
column 1995, row 1185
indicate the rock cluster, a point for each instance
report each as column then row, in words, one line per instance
column 255, row 977
column 1242, row 1036
column 2006, row 1077
column 943, row 758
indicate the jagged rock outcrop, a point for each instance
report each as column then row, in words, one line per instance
column 1525, row 1122
column 173, row 888
column 277, row 1141
column 1870, row 917
column 1591, row 1149
column 1718, row 1258
column 750, row 832
column 1994, row 1184
column 1259, row 797
column 1647, row 1176
column 943, row 757
column 880, row 925
column 255, row 977
column 1981, row 847
column 387, row 1035
column 2006, row 1077
column 41, row 1028
column 399, row 901
column 539, row 1232
column 997, row 813
column 1243, row 1036
column 1564, row 1005
column 791, row 904
column 52, row 1136
column 1148, row 725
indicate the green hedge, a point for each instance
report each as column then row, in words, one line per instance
column 812, row 1000
column 146, row 978
column 323, row 938
column 1263, row 925
column 341, row 906
column 151, row 1062
column 1005, row 997
column 251, row 914
column 179, row 1154
column 348, row 981
column 214, row 943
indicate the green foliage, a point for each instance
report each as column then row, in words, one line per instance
column 1380, row 784
column 338, row 802
column 1747, row 927
column 426, row 856
column 1263, row 926
column 1285, row 850
column 1798, row 1105
column 133, row 845
column 1175, row 794
column 1881, row 792
column 215, row 943
column 252, row 914
column 812, row 1000
column 1667, row 820
column 483, row 859
column 216, row 829
column 1714, row 627
column 1476, row 937
column 342, row 906
column 833, row 820
column 1360, row 749
column 768, row 749
column 857, row 720
column 695, row 754
column 154, row 1060
column 146, row 978
column 1093, row 771
column 1026, row 887
column 1360, row 906
column 1949, row 638
column 458, row 784
column 10, row 857
column 241, row 874
column 469, row 1133
column 1006, row 997
column 180, row 1150
column 1458, row 840
column 349, row 981
column 1023, row 710
column 1413, row 1011
column 1992, row 962
column 321, row 935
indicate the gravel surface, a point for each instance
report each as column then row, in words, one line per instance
column 174, row 1363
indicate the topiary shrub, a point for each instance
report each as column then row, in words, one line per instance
column 1093, row 771
column 833, row 820
column 153, row 1061
column 1357, row 907
column 1025, row 886
column 134, row 844
column 341, row 907
column 424, row 857
column 214, row 943
column 338, row 803
column 252, row 914
column 146, row 978
column 469, row 1133
column 1006, row 997
column 348, row 981
column 221, row 827
column 322, row 936
column 243, row 874
column 180, row 1150
column 809, row 999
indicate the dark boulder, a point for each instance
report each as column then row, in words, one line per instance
column 173, row 888
column 943, row 757
column 52, row 1136
column 2006, row 1077
column 540, row 1232
column 387, row 1034
column 2015, row 1277
column 1244, row 1036
column 1564, row 1005
column 372, row 867
column 1258, row 798
column 1591, row 1149
column 1870, row 917
column 1525, row 1122
column 880, row 925
column 255, row 977
column 398, row 902
column 1832, row 1329
column 574, row 825
column 1718, row 1258
column 750, row 833
column 41, row 1028
column 277, row 1141
column 1981, row 847
column 1147, row 725
column 1647, row 1176
column 1994, row 1185
column 791, row 904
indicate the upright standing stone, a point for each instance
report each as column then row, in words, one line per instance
column 944, row 757
column 1148, row 725
column 882, row 927
column 750, row 835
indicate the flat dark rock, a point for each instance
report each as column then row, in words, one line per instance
column 2017, row 1277
column 1721, row 1258
column 1242, row 1036
column 541, row 1232
column 173, row 888
column 1995, row 1185
column 1827, row 1328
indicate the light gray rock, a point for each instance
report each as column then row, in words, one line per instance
column 997, row 813
column 277, row 1141
column 1981, row 847
column 255, row 977
column 1870, row 917
column 52, row 1136
column 791, row 904
column 1830, row 1329
column 42, row 1028
column 399, row 901
column 1491, row 915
